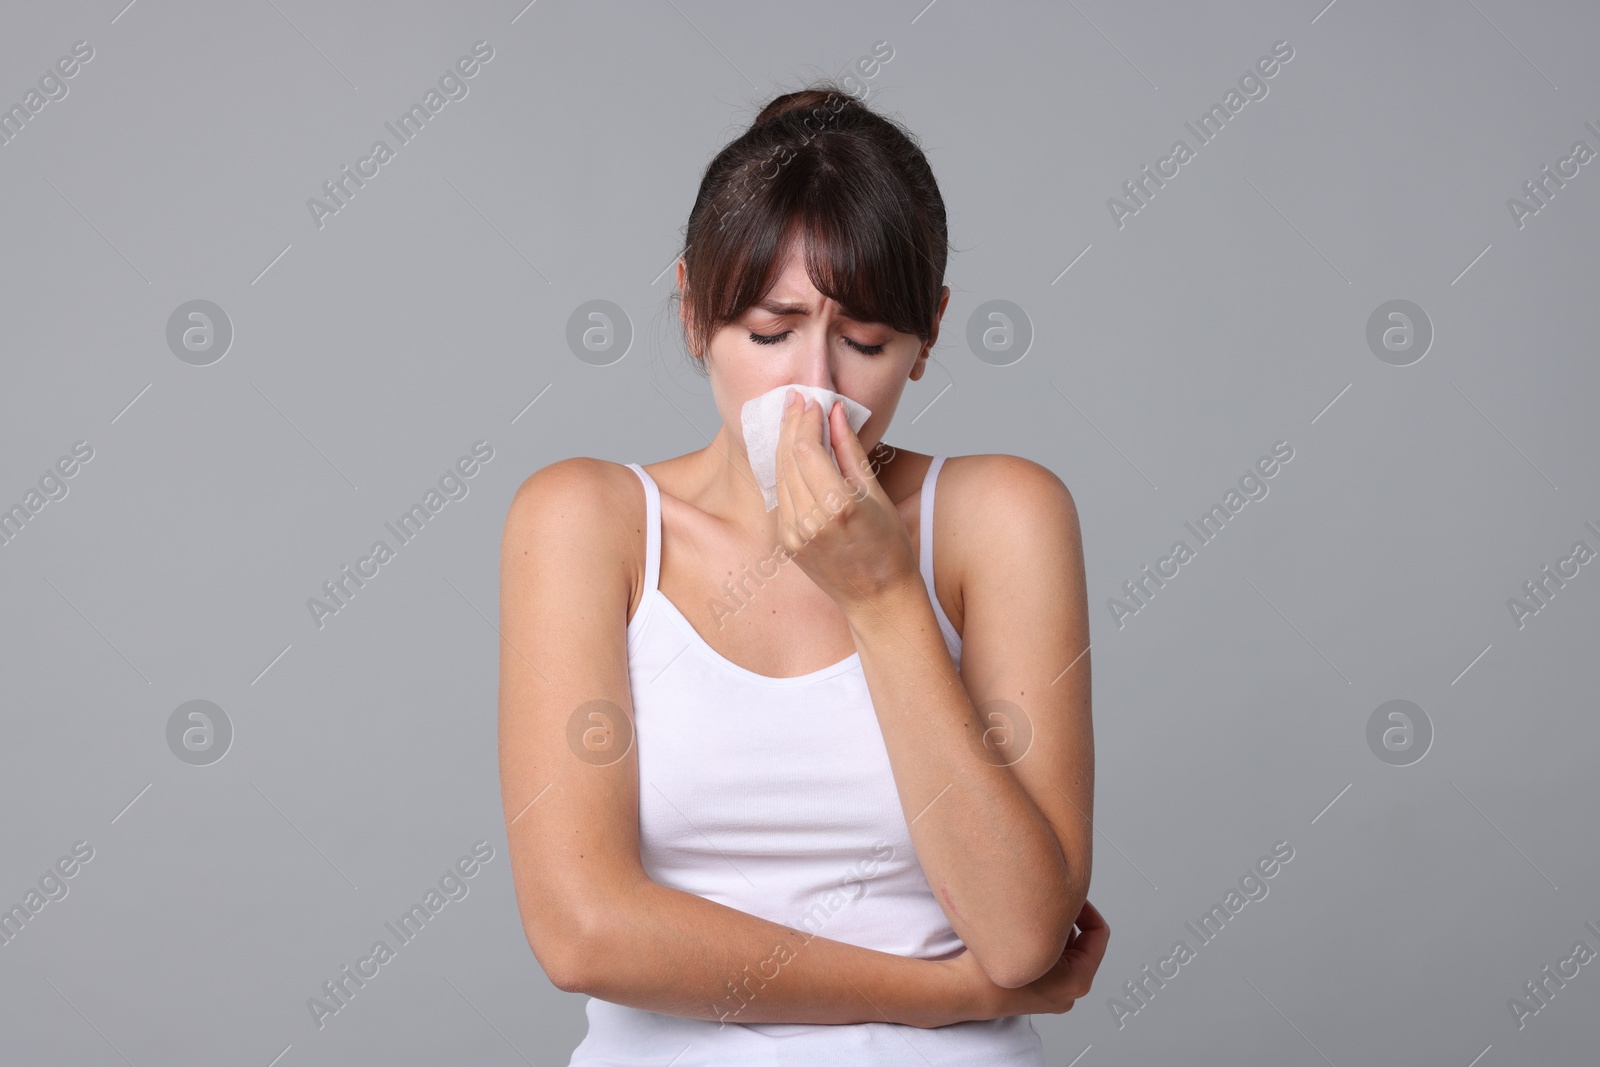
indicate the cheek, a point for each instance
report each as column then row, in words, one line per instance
column 878, row 387
column 743, row 366
column 736, row 379
column 882, row 402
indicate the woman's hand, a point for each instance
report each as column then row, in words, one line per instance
column 835, row 520
column 1053, row 992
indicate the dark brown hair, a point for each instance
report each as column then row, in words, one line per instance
column 820, row 167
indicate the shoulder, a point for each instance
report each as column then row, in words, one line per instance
column 593, row 503
column 578, row 489
column 981, row 485
column 576, row 480
column 1036, row 510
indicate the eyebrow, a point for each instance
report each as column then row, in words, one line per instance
column 777, row 308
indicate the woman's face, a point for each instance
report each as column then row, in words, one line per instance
column 795, row 334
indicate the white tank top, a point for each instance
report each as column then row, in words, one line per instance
column 775, row 796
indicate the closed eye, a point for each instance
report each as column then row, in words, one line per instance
column 772, row 339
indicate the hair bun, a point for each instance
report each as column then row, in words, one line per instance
column 824, row 99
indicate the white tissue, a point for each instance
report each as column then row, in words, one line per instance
column 763, row 417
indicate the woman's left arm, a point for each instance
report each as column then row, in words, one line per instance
column 995, row 772
column 995, row 765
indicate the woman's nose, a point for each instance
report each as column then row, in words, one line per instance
column 812, row 364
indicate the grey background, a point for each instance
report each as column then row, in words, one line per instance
column 368, row 355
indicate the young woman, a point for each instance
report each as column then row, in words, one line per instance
column 788, row 786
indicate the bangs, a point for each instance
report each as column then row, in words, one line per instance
column 851, row 256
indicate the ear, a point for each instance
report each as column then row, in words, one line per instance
column 920, row 367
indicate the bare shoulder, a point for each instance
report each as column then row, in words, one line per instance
column 985, row 487
column 1001, row 513
column 579, row 506
column 577, row 487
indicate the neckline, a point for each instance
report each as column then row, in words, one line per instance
column 653, row 522
column 850, row 662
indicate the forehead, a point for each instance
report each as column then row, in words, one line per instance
column 792, row 279
column 793, row 292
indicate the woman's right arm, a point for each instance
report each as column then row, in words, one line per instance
column 594, row 919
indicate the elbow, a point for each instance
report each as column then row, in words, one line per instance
column 1010, row 977
column 583, row 936
column 1039, row 952
column 563, row 973
column 1022, row 968
column 565, row 950
column 1025, row 962
column 559, row 963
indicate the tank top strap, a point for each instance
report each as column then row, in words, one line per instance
column 652, row 527
column 930, row 484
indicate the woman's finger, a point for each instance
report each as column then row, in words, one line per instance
column 811, row 468
column 824, row 475
column 1089, row 947
column 798, row 423
column 1092, row 914
column 789, row 495
column 860, row 482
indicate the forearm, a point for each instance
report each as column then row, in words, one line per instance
column 992, row 858
column 668, row 951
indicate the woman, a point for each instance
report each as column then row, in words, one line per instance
column 740, row 747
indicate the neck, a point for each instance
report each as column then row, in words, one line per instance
column 723, row 485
